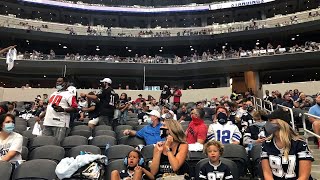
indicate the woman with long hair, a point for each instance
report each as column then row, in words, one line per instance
column 284, row 153
column 169, row 156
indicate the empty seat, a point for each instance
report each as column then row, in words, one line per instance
column 73, row 141
column 147, row 152
column 120, row 135
column 25, row 141
column 114, row 165
column 5, row 170
column 140, row 127
column 132, row 115
column 31, row 122
column 185, row 127
column 41, row 141
column 118, row 152
column 75, row 151
column 255, row 154
column 20, row 122
column 102, row 141
column 20, row 128
column 51, row 152
column 105, row 132
column 102, row 127
column 81, row 127
column 238, row 154
column 24, row 153
column 134, row 124
column 28, row 134
column 84, row 133
column 36, row 169
column 232, row 166
column 133, row 119
column 122, row 127
column 131, row 141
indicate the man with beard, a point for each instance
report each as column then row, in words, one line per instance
column 244, row 115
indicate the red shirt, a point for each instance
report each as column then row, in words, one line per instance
column 195, row 131
column 176, row 96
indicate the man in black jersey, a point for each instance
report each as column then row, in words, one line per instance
column 107, row 100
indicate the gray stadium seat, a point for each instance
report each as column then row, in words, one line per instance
column 24, row 153
column 237, row 154
column 131, row 141
column 36, row 169
column 132, row 115
column 41, row 141
column 84, row 133
column 5, row 170
column 19, row 121
column 51, row 152
column 102, row 141
column 105, row 132
column 122, row 127
column 81, row 127
column 25, row 141
column 73, row 141
column 20, row 128
column 102, row 127
column 75, row 151
column 255, row 155
column 134, row 123
column 140, row 127
column 28, row 134
column 118, row 152
column 147, row 152
column 114, row 165
column 232, row 166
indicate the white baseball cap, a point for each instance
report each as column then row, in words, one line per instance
column 107, row 80
column 154, row 113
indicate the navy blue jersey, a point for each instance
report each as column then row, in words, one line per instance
column 125, row 174
column 212, row 172
column 281, row 167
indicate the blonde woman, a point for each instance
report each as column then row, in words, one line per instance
column 169, row 156
column 284, row 154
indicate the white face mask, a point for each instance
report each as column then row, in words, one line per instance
column 149, row 120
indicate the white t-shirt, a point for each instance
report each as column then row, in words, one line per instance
column 224, row 133
column 59, row 119
column 12, row 143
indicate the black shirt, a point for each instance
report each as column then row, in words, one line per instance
column 165, row 94
column 95, row 112
column 288, row 104
column 108, row 99
column 185, row 114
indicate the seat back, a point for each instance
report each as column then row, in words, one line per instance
column 102, row 141
column 81, row 127
column 121, row 128
column 147, row 152
column 114, row 165
column 255, row 155
column 75, row 151
column 237, row 154
column 131, row 141
column 5, row 170
column 51, row 152
column 118, row 152
column 84, row 133
column 28, row 134
column 24, row 153
column 139, row 127
column 20, row 128
column 36, row 169
column 41, row 141
column 73, row 141
column 102, row 127
column 105, row 132
column 25, row 141
column 133, row 123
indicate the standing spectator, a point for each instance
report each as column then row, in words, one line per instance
column 315, row 110
column 165, row 95
column 123, row 107
column 10, row 142
column 197, row 129
column 7, row 49
column 151, row 132
column 93, row 111
column 222, row 130
column 284, row 154
column 140, row 99
column 107, row 99
column 57, row 116
column 177, row 96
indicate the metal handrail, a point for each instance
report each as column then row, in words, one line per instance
column 291, row 114
column 259, row 105
column 306, row 131
column 264, row 106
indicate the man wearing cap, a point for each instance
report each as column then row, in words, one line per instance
column 151, row 132
column 107, row 99
column 140, row 99
column 315, row 110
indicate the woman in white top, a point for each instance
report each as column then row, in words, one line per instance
column 10, row 142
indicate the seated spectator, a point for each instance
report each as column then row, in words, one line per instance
column 255, row 134
column 135, row 168
column 169, row 156
column 10, row 142
column 12, row 110
column 315, row 110
column 197, row 129
column 183, row 115
column 303, row 102
column 277, row 100
column 214, row 168
column 288, row 101
column 153, row 105
column 93, row 111
column 144, row 111
column 140, row 99
column 27, row 113
column 223, row 130
column 149, row 133
column 167, row 113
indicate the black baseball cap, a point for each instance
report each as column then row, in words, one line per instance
column 280, row 113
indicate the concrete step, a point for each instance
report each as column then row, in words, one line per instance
column 315, row 171
column 313, row 147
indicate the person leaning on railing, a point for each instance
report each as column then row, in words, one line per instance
column 7, row 49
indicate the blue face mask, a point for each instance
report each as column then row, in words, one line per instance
column 8, row 127
column 59, row 87
column 149, row 120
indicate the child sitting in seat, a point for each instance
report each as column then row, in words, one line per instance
column 135, row 168
column 214, row 169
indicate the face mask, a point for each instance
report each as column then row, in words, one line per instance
column 9, row 127
column 260, row 124
column 250, row 108
column 271, row 128
column 163, row 133
column 149, row 120
column 222, row 118
column 59, row 87
column 318, row 104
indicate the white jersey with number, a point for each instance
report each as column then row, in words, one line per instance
column 224, row 133
column 59, row 119
column 72, row 90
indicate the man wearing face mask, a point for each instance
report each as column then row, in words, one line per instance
column 151, row 132
column 197, row 129
column 57, row 115
column 246, row 118
column 315, row 110
column 223, row 130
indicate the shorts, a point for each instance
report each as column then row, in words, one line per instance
column 58, row 132
column 94, row 121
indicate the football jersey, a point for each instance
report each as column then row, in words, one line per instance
column 72, row 90
column 59, row 119
column 281, row 167
column 224, row 133
column 212, row 172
